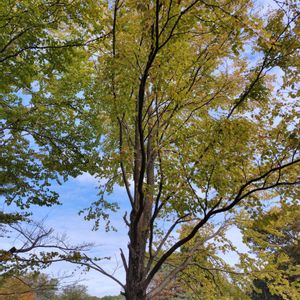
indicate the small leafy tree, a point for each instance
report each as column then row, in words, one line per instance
column 76, row 292
column 274, row 239
column 113, row 297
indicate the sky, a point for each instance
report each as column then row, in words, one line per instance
column 75, row 195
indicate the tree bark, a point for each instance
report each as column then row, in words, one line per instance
column 138, row 234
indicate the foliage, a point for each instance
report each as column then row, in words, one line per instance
column 40, row 286
column 8, row 219
column 204, row 274
column 207, row 275
column 40, row 40
column 35, row 247
column 179, row 102
column 29, row 287
column 113, row 297
column 76, row 292
column 274, row 239
column 38, row 43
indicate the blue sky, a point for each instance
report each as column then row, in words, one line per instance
column 75, row 195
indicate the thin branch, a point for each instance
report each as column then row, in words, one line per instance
column 124, row 175
column 66, row 45
column 123, row 260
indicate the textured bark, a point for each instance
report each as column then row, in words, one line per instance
column 139, row 231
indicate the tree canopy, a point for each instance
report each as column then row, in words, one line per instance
column 190, row 105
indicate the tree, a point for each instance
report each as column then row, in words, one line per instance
column 112, row 298
column 39, row 41
column 36, row 247
column 28, row 287
column 274, row 239
column 40, row 286
column 76, row 292
column 173, row 107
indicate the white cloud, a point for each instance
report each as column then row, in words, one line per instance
column 235, row 236
column 87, row 178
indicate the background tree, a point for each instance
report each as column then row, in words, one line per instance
column 40, row 286
column 274, row 239
column 112, row 298
column 30, row 286
column 76, row 292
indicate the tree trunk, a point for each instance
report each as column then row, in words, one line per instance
column 135, row 290
column 139, row 231
column 134, row 294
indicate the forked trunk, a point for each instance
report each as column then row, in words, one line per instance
column 139, row 230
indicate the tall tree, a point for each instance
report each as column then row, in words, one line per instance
column 183, row 109
column 190, row 119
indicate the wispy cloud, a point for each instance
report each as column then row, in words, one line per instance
column 87, row 179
